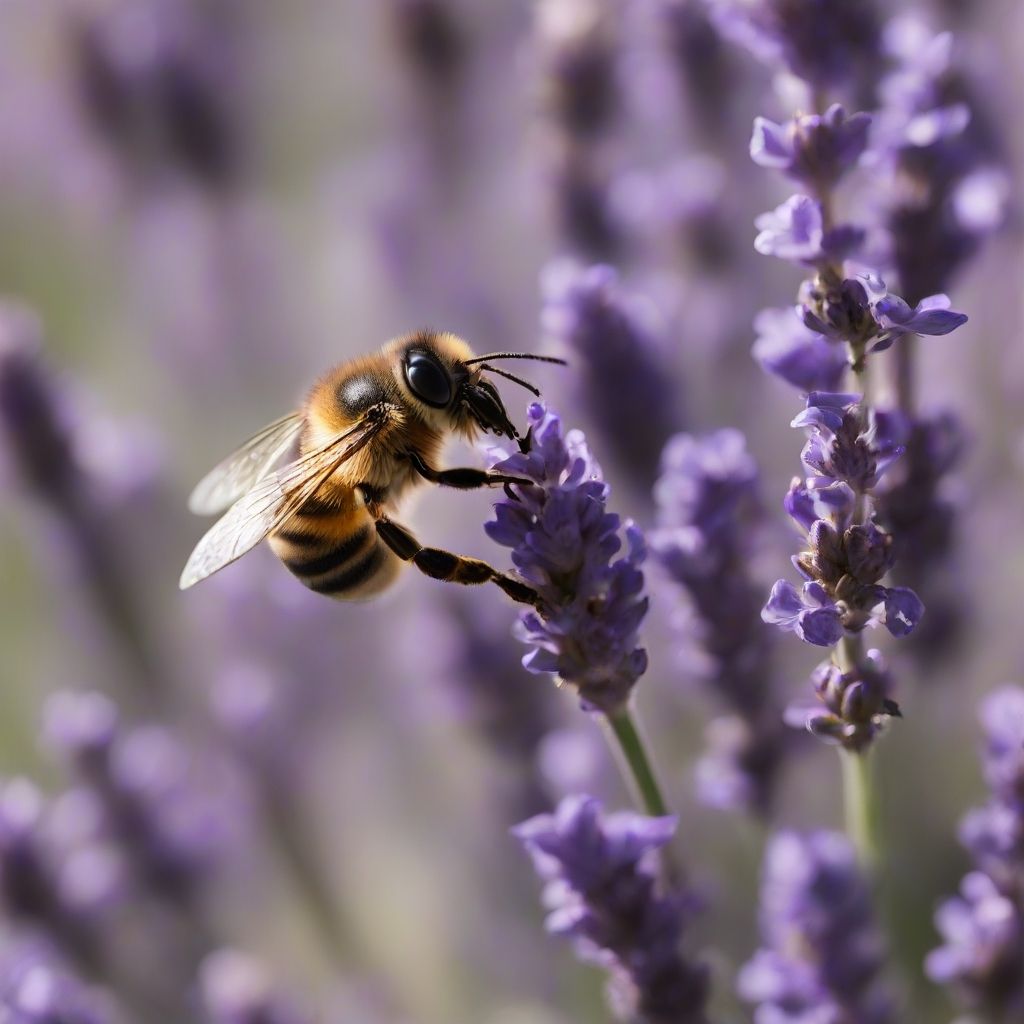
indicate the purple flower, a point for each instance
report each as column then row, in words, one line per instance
column 564, row 544
column 36, row 988
column 931, row 316
column 621, row 363
column 1002, row 717
column 52, row 450
column 983, row 928
column 34, row 889
column 810, row 500
column 827, row 43
column 943, row 186
column 847, row 443
column 822, row 954
column 796, row 231
column 171, row 822
column 601, row 892
column 706, row 495
column 578, row 53
column 854, row 706
column 983, row 954
column 815, row 149
column 702, row 61
column 809, row 612
column 916, row 508
column 235, row 989
column 864, row 313
column 791, row 351
column 165, row 102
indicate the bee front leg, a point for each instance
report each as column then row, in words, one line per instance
column 439, row 564
column 464, row 479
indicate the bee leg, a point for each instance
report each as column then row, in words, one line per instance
column 463, row 479
column 444, row 565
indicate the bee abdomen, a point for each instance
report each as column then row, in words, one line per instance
column 351, row 566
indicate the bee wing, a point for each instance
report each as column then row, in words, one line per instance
column 269, row 505
column 242, row 470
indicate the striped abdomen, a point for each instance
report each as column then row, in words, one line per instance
column 334, row 549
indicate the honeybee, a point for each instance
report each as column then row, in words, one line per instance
column 368, row 432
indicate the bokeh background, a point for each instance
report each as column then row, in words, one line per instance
column 202, row 206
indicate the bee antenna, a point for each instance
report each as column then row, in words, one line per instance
column 516, row 355
column 512, row 377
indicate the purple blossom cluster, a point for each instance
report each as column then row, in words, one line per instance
column 155, row 82
column 624, row 381
column 601, row 892
column 37, row 988
column 845, row 312
column 982, row 928
column 142, row 788
column 564, row 543
column 822, row 955
column 706, row 500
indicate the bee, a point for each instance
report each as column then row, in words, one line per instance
column 369, row 431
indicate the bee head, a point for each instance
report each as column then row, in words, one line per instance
column 442, row 375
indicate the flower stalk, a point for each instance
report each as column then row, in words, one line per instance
column 861, row 807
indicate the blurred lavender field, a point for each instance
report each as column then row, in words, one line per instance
column 247, row 804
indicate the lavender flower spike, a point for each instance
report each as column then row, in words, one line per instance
column 821, row 954
column 707, row 500
column 982, row 955
column 564, row 543
column 601, row 892
column 36, row 988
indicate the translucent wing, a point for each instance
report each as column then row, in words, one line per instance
column 241, row 471
column 269, row 505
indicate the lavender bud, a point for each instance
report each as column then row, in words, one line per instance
column 815, row 149
column 855, row 705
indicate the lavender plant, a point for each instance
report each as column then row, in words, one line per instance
column 982, row 956
column 625, row 384
column 43, row 440
column 577, row 45
column 706, row 497
column 944, row 193
column 165, row 105
column 851, row 443
column 564, row 543
column 37, row 988
column 601, row 892
column 822, row 955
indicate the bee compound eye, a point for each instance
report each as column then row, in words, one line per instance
column 428, row 380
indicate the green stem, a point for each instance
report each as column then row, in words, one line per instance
column 859, row 791
column 861, row 806
column 640, row 773
column 643, row 783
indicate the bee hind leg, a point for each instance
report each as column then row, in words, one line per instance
column 444, row 565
